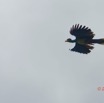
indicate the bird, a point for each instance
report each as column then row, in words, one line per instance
column 84, row 39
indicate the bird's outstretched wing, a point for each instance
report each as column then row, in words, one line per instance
column 85, row 49
column 82, row 32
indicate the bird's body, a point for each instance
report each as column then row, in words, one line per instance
column 84, row 39
column 91, row 42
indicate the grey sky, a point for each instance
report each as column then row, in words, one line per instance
column 35, row 63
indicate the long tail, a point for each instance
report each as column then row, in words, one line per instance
column 99, row 41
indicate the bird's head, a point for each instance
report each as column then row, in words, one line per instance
column 69, row 40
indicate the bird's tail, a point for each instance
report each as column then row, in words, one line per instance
column 99, row 41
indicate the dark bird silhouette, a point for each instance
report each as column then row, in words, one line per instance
column 84, row 39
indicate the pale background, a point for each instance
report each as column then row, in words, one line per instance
column 36, row 65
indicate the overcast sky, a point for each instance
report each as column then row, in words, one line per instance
column 36, row 65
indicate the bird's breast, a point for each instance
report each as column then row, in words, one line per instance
column 81, row 41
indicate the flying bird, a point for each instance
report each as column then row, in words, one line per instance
column 84, row 39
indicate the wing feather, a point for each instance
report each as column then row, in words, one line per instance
column 80, row 31
column 81, row 49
